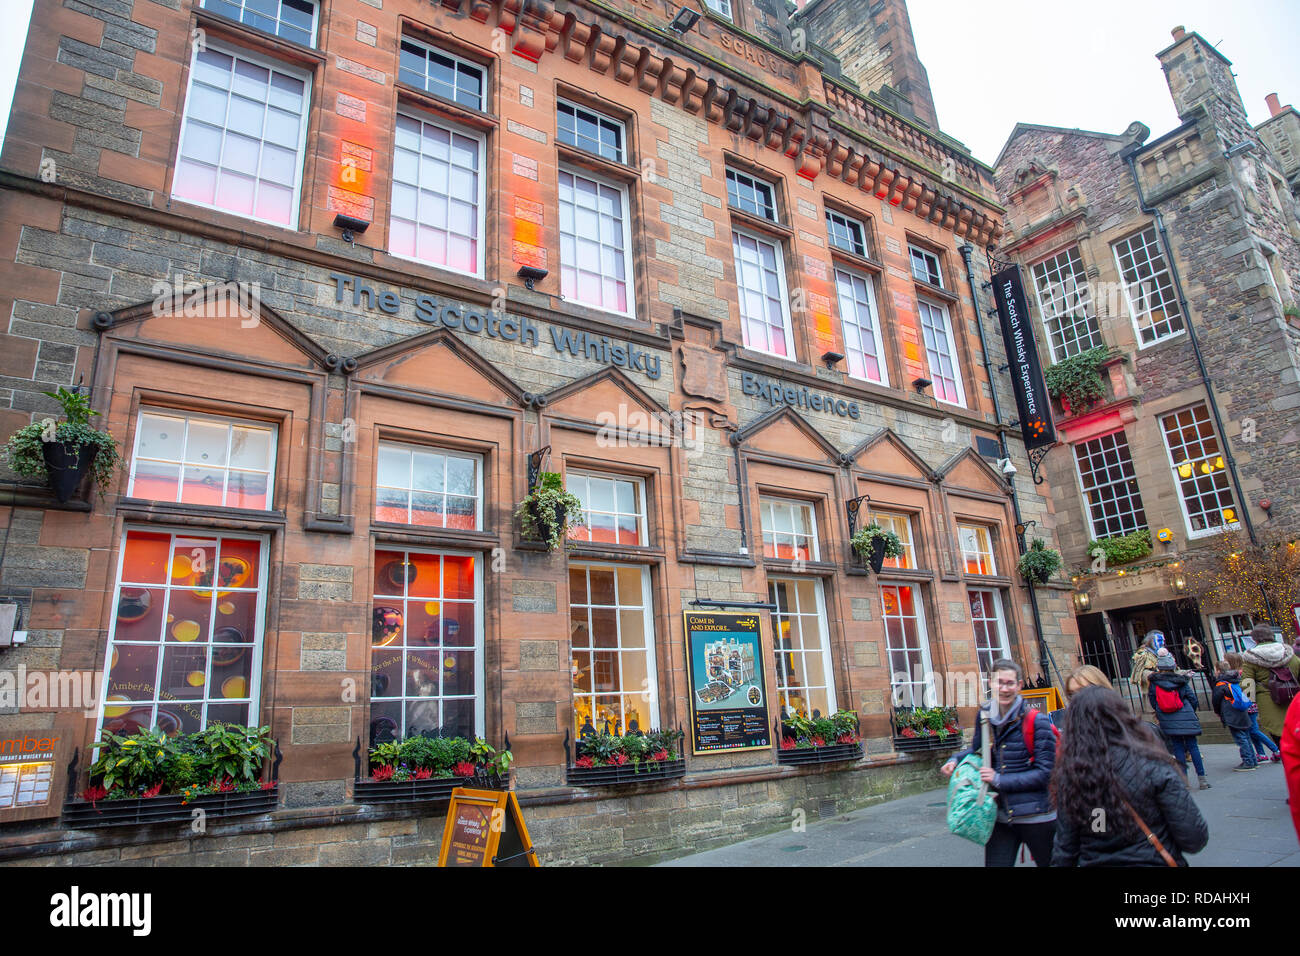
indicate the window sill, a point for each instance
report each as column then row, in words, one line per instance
column 987, row 580
column 611, row 169
column 929, row 289
column 1174, row 337
column 142, row 509
column 823, row 569
column 851, row 260
column 773, row 230
column 436, row 537
column 269, row 43
column 409, row 95
column 615, row 552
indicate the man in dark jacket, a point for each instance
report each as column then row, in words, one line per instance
column 1018, row 776
column 1227, row 689
column 1181, row 726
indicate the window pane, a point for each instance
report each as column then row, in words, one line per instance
column 615, row 683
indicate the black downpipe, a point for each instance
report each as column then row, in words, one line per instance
column 1130, row 157
column 1044, row 652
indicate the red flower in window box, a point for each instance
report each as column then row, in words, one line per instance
column 846, row 739
column 586, row 763
column 153, row 791
column 225, row 786
column 952, row 729
column 659, row 755
column 818, row 742
column 382, row 773
column 908, row 732
column 422, row 773
column 618, row 759
column 463, row 769
column 94, row 793
column 787, row 743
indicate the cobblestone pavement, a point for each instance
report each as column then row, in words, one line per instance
column 1249, row 826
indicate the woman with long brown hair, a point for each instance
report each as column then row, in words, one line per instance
column 1120, row 800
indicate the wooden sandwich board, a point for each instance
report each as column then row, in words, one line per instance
column 485, row 828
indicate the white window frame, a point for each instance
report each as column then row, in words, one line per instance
column 599, row 118
column 458, row 60
column 1230, row 640
column 999, row 618
column 1170, row 306
column 1085, row 492
column 270, row 64
column 894, row 521
column 835, row 217
column 480, row 200
column 721, row 7
column 1049, row 274
column 756, row 184
column 638, row 484
column 954, row 355
column 767, row 510
column 628, row 270
column 930, row 260
column 778, row 252
column 410, row 447
column 824, row 651
column 258, row 639
column 479, row 613
column 980, row 556
column 873, row 327
column 651, row 691
column 182, row 464
column 929, row 696
column 1178, row 479
column 243, row 8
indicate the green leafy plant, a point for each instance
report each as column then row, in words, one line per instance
column 549, row 511
column 1078, row 379
column 132, row 762
column 1123, row 548
column 801, row 732
column 1291, row 311
column 863, row 539
column 926, row 721
column 607, row 750
column 24, row 453
column 236, row 751
column 437, row 756
column 220, row 758
column 1040, row 562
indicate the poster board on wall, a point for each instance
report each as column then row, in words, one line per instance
column 727, row 682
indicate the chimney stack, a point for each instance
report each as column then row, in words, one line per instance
column 1178, row 33
column 1274, row 105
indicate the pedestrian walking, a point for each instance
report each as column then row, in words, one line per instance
column 1119, row 798
column 1263, row 745
column 1085, row 675
column 1270, row 676
column 1174, row 703
column 1019, row 771
column 1233, row 707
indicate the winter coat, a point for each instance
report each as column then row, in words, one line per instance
column 1159, row 794
column 1257, row 670
column 1181, row 723
column 1291, row 759
column 1232, row 718
column 1021, row 783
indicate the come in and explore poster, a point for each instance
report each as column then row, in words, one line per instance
column 724, row 654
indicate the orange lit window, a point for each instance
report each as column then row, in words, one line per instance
column 426, row 646
column 901, row 525
column 614, row 508
column 612, row 656
column 428, row 487
column 976, row 549
column 789, row 529
column 203, row 460
column 185, row 637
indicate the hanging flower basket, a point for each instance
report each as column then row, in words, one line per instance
column 873, row 544
column 548, row 511
column 1039, row 563
column 62, row 454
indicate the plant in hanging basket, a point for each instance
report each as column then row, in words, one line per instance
column 62, row 453
column 1040, row 562
column 873, row 544
column 1077, row 380
column 548, row 511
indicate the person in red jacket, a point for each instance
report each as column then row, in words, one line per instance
column 1291, row 759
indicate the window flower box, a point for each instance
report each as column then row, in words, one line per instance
column 170, row 808
column 926, row 729
column 426, row 769
column 831, row 739
column 604, row 760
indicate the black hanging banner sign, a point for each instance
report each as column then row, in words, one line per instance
column 1022, row 354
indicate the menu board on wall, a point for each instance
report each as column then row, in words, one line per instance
column 724, row 658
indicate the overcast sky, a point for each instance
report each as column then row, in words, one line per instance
column 1089, row 64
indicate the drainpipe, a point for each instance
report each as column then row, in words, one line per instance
column 1129, row 155
column 1044, row 653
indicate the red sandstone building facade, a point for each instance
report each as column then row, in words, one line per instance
column 747, row 307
